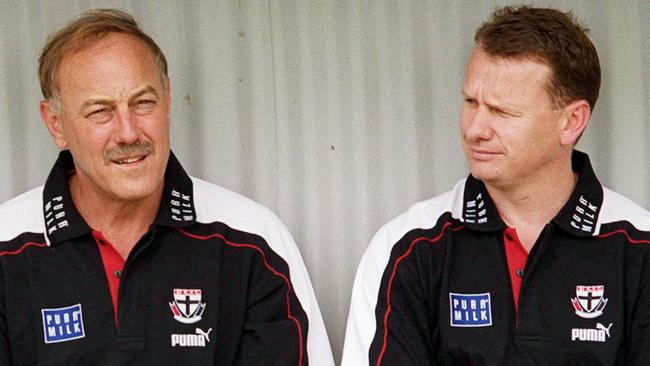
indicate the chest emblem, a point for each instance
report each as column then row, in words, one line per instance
column 187, row 306
column 63, row 324
column 589, row 301
column 470, row 310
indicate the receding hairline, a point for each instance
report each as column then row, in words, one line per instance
column 84, row 31
column 89, row 43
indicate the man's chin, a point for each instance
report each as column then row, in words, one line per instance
column 484, row 173
column 133, row 192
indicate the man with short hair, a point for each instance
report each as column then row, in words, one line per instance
column 528, row 261
column 121, row 258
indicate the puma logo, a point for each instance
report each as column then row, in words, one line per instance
column 198, row 339
column 602, row 327
column 200, row 331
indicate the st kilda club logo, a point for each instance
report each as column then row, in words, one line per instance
column 589, row 301
column 187, row 306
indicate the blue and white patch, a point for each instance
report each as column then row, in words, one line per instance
column 63, row 324
column 470, row 310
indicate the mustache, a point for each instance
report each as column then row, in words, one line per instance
column 126, row 150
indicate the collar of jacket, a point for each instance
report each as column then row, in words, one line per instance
column 63, row 222
column 579, row 216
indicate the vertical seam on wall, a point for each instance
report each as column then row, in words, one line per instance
column 275, row 108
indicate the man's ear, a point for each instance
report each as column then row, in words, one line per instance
column 52, row 118
column 168, row 95
column 576, row 117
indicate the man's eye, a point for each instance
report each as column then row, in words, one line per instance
column 144, row 105
column 99, row 115
column 503, row 113
column 96, row 112
column 470, row 101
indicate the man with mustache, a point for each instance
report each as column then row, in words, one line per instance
column 528, row 261
column 121, row 258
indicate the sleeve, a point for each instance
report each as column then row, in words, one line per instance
column 275, row 326
column 280, row 280
column 283, row 323
column 639, row 348
column 4, row 336
column 390, row 320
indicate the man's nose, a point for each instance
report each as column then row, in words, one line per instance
column 478, row 125
column 127, row 127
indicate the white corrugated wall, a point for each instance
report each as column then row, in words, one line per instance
column 336, row 114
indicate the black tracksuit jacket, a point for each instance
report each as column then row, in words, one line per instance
column 217, row 280
column 447, row 283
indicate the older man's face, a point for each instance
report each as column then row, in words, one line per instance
column 114, row 119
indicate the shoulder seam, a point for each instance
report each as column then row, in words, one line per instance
column 22, row 248
column 626, row 234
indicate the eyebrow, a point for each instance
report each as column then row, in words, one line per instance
column 496, row 104
column 93, row 101
column 143, row 90
column 105, row 101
